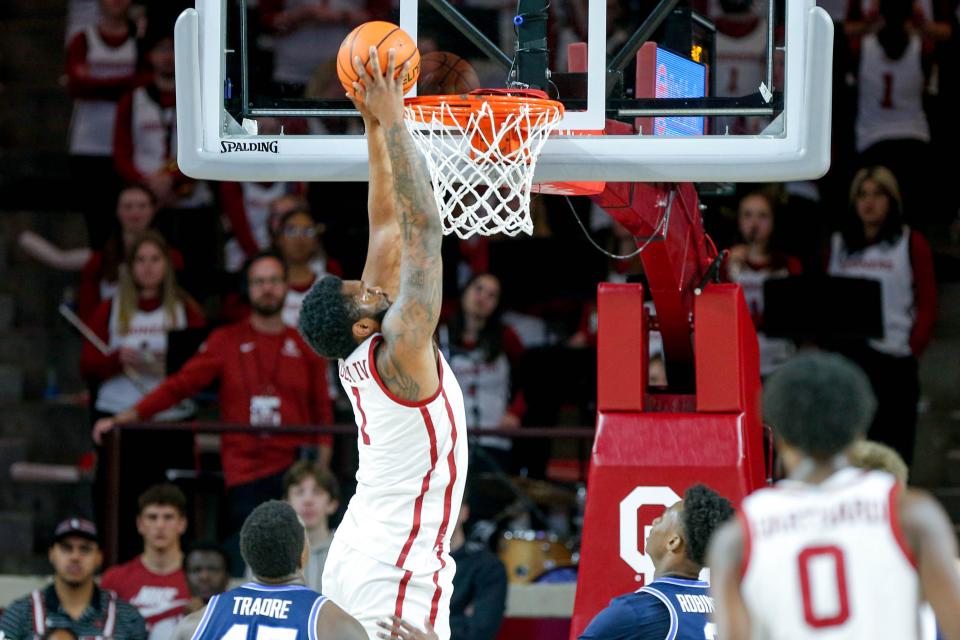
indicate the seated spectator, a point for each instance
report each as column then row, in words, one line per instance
column 874, row 243
column 134, row 325
column 207, row 568
column 73, row 601
column 154, row 582
column 136, row 209
column 479, row 587
column 101, row 67
column 268, row 377
column 753, row 262
column 677, row 544
column 314, row 494
column 246, row 207
column 482, row 352
column 298, row 241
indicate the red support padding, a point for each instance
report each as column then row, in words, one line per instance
column 727, row 354
column 642, row 463
column 727, row 364
column 622, row 351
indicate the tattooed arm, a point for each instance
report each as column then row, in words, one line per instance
column 407, row 362
column 382, row 267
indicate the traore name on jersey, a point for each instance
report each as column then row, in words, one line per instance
column 232, row 614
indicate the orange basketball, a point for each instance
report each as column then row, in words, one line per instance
column 384, row 36
column 442, row 72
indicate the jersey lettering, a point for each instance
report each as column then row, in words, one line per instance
column 271, row 607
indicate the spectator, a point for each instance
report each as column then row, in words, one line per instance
column 306, row 34
column 101, row 67
column 246, row 207
column 482, row 352
column 154, row 582
column 875, row 244
column 145, row 135
column 479, row 587
column 741, row 66
column 891, row 125
column 755, row 260
column 207, row 568
column 134, row 325
column 298, row 240
column 145, row 151
column 874, row 456
column 73, row 601
column 314, row 494
column 136, row 208
column 677, row 544
column 268, row 377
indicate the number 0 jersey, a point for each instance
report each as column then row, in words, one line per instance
column 829, row 561
column 261, row 612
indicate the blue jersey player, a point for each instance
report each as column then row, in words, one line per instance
column 676, row 605
column 275, row 605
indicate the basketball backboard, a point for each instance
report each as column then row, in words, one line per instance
column 738, row 92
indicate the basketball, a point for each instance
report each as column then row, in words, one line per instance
column 384, row 36
column 442, row 72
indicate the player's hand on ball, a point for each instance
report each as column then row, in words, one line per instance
column 382, row 94
column 403, row 630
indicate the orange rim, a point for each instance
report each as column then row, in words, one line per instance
column 502, row 105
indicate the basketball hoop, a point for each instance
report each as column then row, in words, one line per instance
column 482, row 149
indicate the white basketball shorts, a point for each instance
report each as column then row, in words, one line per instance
column 370, row 590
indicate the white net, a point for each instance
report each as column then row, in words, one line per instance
column 481, row 162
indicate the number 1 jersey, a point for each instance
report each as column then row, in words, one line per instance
column 829, row 561
column 262, row 612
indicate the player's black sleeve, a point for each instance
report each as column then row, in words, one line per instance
column 635, row 616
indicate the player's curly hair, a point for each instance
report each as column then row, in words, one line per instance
column 819, row 402
column 704, row 510
column 272, row 539
column 327, row 318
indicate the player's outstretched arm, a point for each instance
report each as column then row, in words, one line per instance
column 408, row 363
column 382, row 267
column 334, row 622
column 934, row 544
column 725, row 557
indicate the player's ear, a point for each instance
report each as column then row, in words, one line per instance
column 364, row 328
column 675, row 542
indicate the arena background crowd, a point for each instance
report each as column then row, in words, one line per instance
column 97, row 216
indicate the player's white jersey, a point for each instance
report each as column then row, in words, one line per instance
column 829, row 561
column 890, row 96
column 413, row 467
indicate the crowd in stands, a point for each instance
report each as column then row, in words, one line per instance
column 168, row 254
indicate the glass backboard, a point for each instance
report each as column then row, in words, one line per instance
column 698, row 90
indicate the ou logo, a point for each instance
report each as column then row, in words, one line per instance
column 629, row 507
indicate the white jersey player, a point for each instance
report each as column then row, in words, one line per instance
column 390, row 556
column 831, row 552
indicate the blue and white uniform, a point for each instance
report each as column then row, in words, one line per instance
column 665, row 609
column 287, row 612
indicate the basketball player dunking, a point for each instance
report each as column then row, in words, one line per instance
column 390, row 555
column 832, row 551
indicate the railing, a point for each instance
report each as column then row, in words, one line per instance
column 114, row 439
